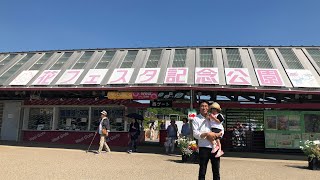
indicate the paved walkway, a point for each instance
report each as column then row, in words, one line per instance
column 55, row 163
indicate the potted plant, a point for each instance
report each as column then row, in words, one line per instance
column 189, row 149
column 312, row 150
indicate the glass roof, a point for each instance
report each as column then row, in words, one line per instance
column 83, row 60
column 291, row 59
column 234, row 59
column 41, row 61
column 206, row 58
column 154, row 58
column 262, row 58
column 61, row 61
column 128, row 60
column 15, row 68
column 315, row 54
column 179, row 59
column 105, row 60
column 7, row 59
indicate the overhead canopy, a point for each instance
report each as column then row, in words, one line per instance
column 271, row 68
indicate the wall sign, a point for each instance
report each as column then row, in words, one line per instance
column 206, row 76
column 121, row 76
column 269, row 77
column 237, row 76
column 94, row 76
column 148, row 76
column 176, row 76
column 302, row 78
column 144, row 95
column 69, row 77
column 171, row 95
column 46, row 77
column 157, row 103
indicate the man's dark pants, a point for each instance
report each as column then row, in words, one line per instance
column 204, row 156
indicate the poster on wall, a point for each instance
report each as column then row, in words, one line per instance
column 283, row 140
column 312, row 123
column 271, row 122
column 283, row 129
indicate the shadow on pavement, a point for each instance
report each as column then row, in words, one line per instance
column 269, row 155
column 298, row 167
column 154, row 148
column 150, row 148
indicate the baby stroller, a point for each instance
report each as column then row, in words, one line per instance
column 238, row 138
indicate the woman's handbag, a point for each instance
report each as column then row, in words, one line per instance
column 104, row 132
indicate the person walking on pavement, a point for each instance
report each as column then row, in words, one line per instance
column 172, row 134
column 202, row 132
column 185, row 130
column 103, row 130
column 152, row 129
column 134, row 132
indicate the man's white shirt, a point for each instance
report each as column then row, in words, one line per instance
column 201, row 125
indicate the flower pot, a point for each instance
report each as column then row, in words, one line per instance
column 185, row 158
column 314, row 164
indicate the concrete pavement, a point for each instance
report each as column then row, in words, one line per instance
column 55, row 163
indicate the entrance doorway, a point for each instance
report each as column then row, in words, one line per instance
column 10, row 121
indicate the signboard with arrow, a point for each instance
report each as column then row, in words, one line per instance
column 192, row 113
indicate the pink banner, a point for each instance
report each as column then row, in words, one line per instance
column 269, row 77
column 176, row 76
column 145, row 95
column 237, row 76
column 76, row 137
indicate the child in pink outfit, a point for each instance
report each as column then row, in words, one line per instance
column 216, row 120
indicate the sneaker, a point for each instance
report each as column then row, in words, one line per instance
column 219, row 154
column 215, row 149
column 129, row 151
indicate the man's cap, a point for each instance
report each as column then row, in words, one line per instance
column 104, row 112
column 215, row 106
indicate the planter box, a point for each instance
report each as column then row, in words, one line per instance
column 314, row 164
column 193, row 158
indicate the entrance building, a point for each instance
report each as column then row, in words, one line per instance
column 269, row 95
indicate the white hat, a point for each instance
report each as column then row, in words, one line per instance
column 104, row 112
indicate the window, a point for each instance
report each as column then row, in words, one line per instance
column 206, row 58
column 115, row 115
column 128, row 60
column 179, row 58
column 73, row 119
column 262, row 58
column 105, row 60
column 315, row 54
column 61, row 61
column 153, row 58
column 40, row 118
column 234, row 59
column 7, row 59
column 290, row 58
column 83, row 60
column 15, row 68
column 2, row 56
column 41, row 61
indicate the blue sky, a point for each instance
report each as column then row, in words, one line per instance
column 73, row 24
